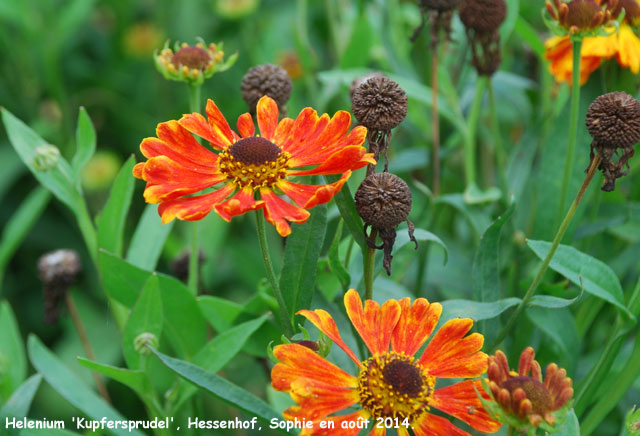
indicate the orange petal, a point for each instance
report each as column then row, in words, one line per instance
column 460, row 400
column 216, row 130
column 348, row 158
column 314, row 153
column 325, row 323
column 378, row 431
column 240, row 203
column 167, row 179
column 334, row 425
column 415, row 325
column 298, row 361
column 177, row 143
column 279, row 212
column 282, row 135
column 375, row 324
column 308, row 196
column 137, row 170
column 316, row 400
column 450, row 354
column 304, row 129
column 193, row 208
column 432, row 425
column 245, row 125
column 267, row 112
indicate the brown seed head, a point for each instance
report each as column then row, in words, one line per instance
column 360, row 80
column 440, row 5
column 379, row 103
column 267, row 79
column 613, row 120
column 483, row 16
column 580, row 14
column 193, row 57
column 255, row 150
column 383, row 200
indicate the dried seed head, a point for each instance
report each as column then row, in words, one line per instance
column 440, row 5
column 360, row 80
column 383, row 200
column 613, row 120
column 59, row 268
column 484, row 16
column 379, row 103
column 267, row 79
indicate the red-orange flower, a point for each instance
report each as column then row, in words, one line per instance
column 178, row 165
column 393, row 387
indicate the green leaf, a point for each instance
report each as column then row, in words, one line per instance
column 50, row 432
column 122, row 281
column 422, row 236
column 71, row 387
column 20, row 223
column 477, row 220
column 220, row 350
column 184, row 325
column 530, row 35
column 347, row 207
column 11, row 352
column 581, row 269
column 85, row 143
column 138, row 381
column 146, row 317
column 298, row 276
column 113, row 217
column 148, row 239
column 475, row 310
column 20, row 402
column 337, row 268
column 551, row 302
column 559, row 325
column 221, row 389
column 58, row 180
column 219, row 312
column 357, row 51
column 571, row 426
column 10, row 168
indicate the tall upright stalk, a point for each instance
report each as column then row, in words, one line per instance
column 573, row 125
column 501, row 158
column 435, row 122
column 285, row 320
column 470, row 142
column 554, row 246
column 194, row 253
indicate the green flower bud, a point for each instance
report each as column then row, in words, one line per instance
column 46, row 157
column 143, row 340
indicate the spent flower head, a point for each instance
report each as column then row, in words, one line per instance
column 267, row 79
column 58, row 270
column 524, row 399
column 192, row 63
column 613, row 120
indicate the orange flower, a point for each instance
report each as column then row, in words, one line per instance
column 393, row 388
column 179, row 166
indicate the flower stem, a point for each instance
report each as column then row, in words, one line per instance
column 369, row 263
column 84, row 339
column 501, row 160
column 573, row 125
column 554, row 246
column 470, row 142
column 194, row 252
column 285, row 320
column 435, row 120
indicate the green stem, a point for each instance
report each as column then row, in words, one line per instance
column 435, row 120
column 501, row 158
column 470, row 142
column 369, row 263
column 88, row 231
column 554, row 246
column 618, row 387
column 194, row 252
column 285, row 320
column 573, row 125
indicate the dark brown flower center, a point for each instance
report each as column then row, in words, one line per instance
column 631, row 11
column 536, row 392
column 404, row 377
column 255, row 150
column 193, row 57
column 581, row 13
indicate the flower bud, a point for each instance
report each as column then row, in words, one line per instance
column 267, row 79
column 46, row 157
column 143, row 340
